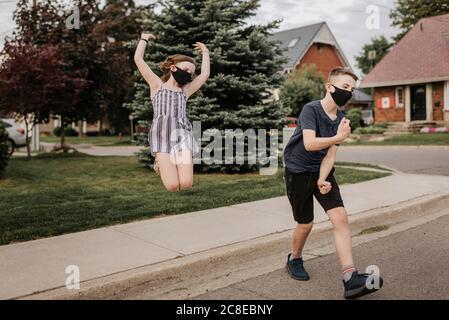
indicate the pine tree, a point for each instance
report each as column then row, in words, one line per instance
column 245, row 66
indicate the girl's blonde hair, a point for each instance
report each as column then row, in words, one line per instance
column 171, row 60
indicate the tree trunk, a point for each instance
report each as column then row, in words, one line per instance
column 27, row 139
column 62, row 133
column 80, row 129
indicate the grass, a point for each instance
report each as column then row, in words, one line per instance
column 366, row 165
column 50, row 195
column 101, row 141
column 415, row 139
column 373, row 230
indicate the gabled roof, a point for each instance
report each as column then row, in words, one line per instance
column 361, row 97
column 306, row 36
column 421, row 56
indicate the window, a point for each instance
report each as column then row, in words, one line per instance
column 400, row 97
column 385, row 102
column 293, row 42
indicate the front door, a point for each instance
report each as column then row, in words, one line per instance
column 418, row 103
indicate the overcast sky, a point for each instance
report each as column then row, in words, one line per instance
column 347, row 19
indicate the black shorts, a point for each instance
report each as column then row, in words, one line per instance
column 301, row 187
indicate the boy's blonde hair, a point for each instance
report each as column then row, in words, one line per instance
column 339, row 71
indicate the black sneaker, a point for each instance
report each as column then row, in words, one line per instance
column 296, row 269
column 357, row 286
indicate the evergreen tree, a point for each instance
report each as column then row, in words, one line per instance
column 245, row 66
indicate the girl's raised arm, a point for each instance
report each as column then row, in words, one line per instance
column 198, row 82
column 150, row 77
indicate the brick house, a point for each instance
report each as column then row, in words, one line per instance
column 312, row 44
column 316, row 45
column 411, row 83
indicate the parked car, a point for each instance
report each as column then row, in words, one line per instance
column 16, row 134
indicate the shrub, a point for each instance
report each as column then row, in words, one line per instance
column 68, row 132
column 355, row 116
column 5, row 145
column 301, row 87
column 105, row 132
column 370, row 130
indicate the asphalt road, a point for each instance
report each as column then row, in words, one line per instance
column 413, row 264
column 421, row 160
column 411, row 159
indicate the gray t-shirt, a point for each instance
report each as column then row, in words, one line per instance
column 296, row 157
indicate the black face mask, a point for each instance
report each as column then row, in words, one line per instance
column 340, row 96
column 181, row 76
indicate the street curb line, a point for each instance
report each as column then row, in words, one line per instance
column 159, row 276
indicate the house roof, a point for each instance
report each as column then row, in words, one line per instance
column 421, row 56
column 305, row 36
column 361, row 97
column 298, row 40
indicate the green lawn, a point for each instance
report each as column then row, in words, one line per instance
column 98, row 141
column 52, row 195
column 356, row 164
column 409, row 139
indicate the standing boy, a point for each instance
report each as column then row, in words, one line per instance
column 309, row 160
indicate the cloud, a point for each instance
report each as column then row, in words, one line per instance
column 346, row 19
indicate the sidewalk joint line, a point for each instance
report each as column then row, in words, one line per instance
column 180, row 254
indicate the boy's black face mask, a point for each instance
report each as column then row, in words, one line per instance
column 181, row 76
column 340, row 96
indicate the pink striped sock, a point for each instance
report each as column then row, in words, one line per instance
column 347, row 273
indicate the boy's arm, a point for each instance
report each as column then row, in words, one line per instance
column 327, row 164
column 312, row 143
column 325, row 168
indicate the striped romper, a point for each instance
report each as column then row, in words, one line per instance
column 171, row 130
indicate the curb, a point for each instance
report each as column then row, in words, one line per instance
column 166, row 279
column 433, row 146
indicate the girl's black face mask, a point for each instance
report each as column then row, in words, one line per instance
column 341, row 96
column 182, row 77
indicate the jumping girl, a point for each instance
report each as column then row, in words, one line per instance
column 170, row 136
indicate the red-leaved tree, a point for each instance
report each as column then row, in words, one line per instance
column 35, row 83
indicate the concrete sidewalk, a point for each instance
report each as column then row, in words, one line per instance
column 93, row 150
column 40, row 265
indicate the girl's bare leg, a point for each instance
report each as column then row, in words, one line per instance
column 168, row 171
column 184, row 164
